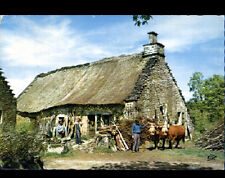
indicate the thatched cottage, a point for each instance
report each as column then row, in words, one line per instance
column 106, row 91
column 7, row 104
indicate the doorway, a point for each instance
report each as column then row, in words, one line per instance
column 91, row 125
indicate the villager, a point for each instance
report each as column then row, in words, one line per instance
column 77, row 131
column 61, row 129
column 136, row 131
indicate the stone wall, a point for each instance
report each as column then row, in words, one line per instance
column 46, row 120
column 7, row 104
column 157, row 94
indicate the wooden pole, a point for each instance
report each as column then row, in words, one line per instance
column 96, row 119
column 122, row 138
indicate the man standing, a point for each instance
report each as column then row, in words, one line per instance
column 77, row 131
column 136, row 131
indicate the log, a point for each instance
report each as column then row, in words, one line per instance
column 119, row 142
column 123, row 141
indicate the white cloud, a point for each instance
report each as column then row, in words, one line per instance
column 179, row 33
column 54, row 44
column 18, row 85
column 51, row 45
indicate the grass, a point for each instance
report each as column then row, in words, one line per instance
column 57, row 155
column 200, row 153
column 84, row 138
column 102, row 149
column 194, row 152
column 190, row 151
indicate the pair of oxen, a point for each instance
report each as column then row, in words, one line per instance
column 164, row 132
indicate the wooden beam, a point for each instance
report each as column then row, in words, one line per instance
column 96, row 124
column 123, row 141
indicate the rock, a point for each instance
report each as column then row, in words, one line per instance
column 103, row 140
column 65, row 149
column 55, row 150
column 113, row 148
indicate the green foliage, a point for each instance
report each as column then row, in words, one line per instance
column 196, row 86
column 103, row 149
column 20, row 147
column 141, row 19
column 84, row 137
column 207, row 105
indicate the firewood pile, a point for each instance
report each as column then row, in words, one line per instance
column 122, row 133
column 125, row 127
column 115, row 132
column 213, row 139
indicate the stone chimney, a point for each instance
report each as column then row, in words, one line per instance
column 153, row 48
column 152, row 37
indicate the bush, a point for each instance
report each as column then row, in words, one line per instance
column 20, row 149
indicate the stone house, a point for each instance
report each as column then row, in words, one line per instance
column 7, row 104
column 106, row 91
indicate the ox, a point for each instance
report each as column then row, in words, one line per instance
column 176, row 133
column 158, row 132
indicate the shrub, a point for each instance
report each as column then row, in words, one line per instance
column 20, row 148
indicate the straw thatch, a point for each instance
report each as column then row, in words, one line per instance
column 108, row 81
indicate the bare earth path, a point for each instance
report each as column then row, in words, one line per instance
column 144, row 160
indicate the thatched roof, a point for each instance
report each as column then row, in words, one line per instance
column 108, row 81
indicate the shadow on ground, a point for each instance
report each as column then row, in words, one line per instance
column 143, row 165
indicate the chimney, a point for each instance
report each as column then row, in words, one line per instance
column 153, row 49
column 152, row 37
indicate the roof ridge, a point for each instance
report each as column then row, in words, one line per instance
column 104, row 60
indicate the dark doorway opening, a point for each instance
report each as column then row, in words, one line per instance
column 91, row 125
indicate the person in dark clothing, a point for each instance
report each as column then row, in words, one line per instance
column 77, row 131
column 136, row 132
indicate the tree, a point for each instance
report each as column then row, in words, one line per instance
column 141, row 19
column 214, row 97
column 207, row 104
column 196, row 86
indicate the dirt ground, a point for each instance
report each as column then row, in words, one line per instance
column 144, row 160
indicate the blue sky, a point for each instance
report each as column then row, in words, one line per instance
column 34, row 44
